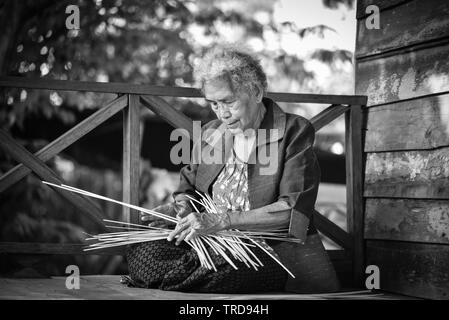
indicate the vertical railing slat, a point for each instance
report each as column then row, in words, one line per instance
column 354, row 189
column 131, row 157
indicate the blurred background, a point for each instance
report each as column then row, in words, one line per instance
column 305, row 47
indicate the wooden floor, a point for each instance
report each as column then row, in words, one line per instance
column 109, row 287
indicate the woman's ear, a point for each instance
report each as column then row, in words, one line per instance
column 258, row 92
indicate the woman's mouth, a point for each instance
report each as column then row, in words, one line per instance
column 232, row 124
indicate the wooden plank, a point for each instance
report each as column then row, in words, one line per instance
column 317, row 98
column 419, row 270
column 407, row 220
column 415, row 124
column 20, row 154
column 411, row 23
column 408, row 174
column 438, row 42
column 354, row 187
column 127, row 88
column 56, row 248
column 327, row 116
column 49, row 151
column 332, row 231
column 382, row 4
column 341, row 259
column 174, row 117
column 404, row 76
column 90, row 86
column 131, row 158
column 108, row 287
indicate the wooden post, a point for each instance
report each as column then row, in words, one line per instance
column 354, row 190
column 131, row 157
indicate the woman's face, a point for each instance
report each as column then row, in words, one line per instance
column 238, row 110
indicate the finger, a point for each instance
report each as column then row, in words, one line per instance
column 169, row 223
column 165, row 224
column 156, row 224
column 183, row 220
column 146, row 217
column 184, row 208
column 184, row 212
column 180, row 227
column 192, row 234
column 168, row 209
column 182, row 236
column 162, row 209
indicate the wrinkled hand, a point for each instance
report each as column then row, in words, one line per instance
column 179, row 209
column 199, row 223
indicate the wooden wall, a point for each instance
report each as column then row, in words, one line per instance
column 403, row 68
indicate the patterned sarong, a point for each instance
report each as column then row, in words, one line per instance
column 163, row 265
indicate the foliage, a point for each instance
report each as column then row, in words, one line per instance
column 133, row 41
column 329, row 57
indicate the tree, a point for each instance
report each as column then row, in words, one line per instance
column 135, row 41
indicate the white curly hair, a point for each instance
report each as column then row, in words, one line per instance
column 232, row 61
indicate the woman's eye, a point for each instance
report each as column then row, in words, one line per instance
column 233, row 105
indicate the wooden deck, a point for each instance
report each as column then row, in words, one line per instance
column 108, row 287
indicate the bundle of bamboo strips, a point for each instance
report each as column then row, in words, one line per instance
column 225, row 243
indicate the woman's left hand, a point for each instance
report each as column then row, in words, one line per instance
column 199, row 223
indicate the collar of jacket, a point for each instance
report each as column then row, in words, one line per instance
column 274, row 118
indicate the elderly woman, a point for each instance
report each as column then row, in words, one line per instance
column 248, row 198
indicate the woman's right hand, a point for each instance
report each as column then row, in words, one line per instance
column 179, row 209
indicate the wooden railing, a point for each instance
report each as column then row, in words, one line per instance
column 130, row 98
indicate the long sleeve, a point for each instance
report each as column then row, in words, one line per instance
column 300, row 178
column 187, row 178
column 188, row 175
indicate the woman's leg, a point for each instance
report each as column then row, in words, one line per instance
column 190, row 276
column 150, row 262
column 163, row 265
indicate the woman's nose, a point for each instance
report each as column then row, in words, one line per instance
column 225, row 114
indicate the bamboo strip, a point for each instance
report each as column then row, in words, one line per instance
column 225, row 241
